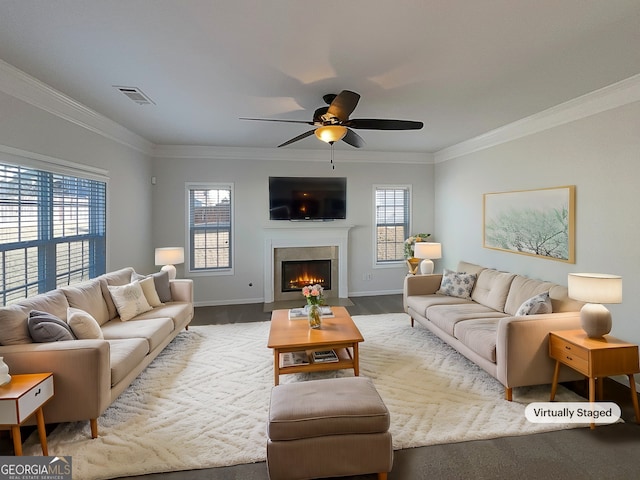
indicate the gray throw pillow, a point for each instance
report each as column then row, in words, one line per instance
column 457, row 284
column 538, row 304
column 160, row 281
column 45, row 327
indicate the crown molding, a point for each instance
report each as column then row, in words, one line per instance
column 24, row 87
column 606, row 98
column 289, row 154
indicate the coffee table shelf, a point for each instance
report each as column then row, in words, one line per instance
column 338, row 333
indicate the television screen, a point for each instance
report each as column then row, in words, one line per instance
column 307, row 198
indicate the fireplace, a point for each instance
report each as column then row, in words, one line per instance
column 296, row 267
column 299, row 273
column 291, row 241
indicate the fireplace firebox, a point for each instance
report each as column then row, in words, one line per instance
column 297, row 274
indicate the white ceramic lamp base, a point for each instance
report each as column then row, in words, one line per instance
column 595, row 320
column 426, row 267
column 171, row 270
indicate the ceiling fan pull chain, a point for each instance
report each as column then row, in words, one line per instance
column 333, row 167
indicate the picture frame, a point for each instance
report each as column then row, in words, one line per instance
column 538, row 223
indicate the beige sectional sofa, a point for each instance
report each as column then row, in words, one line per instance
column 90, row 373
column 485, row 328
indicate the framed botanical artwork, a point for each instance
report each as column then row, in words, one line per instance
column 539, row 222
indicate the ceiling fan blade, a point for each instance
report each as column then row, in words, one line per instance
column 295, row 139
column 353, row 139
column 378, row 124
column 342, row 106
column 277, row 120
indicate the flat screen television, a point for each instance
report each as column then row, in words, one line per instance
column 307, row 198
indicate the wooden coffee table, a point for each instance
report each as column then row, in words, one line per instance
column 338, row 333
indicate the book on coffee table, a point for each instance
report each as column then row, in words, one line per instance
column 325, row 311
column 325, row 356
column 290, row 359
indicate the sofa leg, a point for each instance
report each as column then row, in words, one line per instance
column 94, row 427
column 382, row 475
column 411, row 321
column 508, row 394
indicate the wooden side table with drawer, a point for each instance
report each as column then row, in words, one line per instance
column 22, row 397
column 595, row 358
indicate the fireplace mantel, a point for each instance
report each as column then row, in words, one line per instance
column 303, row 234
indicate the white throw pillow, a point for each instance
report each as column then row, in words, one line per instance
column 457, row 284
column 148, row 285
column 83, row 325
column 129, row 300
column 538, row 304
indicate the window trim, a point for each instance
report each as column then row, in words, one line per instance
column 217, row 271
column 376, row 187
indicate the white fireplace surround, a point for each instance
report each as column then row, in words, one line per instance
column 306, row 235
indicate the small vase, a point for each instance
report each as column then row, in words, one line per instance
column 4, row 372
column 314, row 316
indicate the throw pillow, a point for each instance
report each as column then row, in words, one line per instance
column 540, row 303
column 148, row 285
column 45, row 327
column 83, row 325
column 129, row 300
column 160, row 281
column 457, row 284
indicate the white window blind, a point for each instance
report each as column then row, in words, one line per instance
column 392, row 214
column 52, row 230
column 210, row 227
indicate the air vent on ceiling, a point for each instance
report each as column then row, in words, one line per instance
column 135, row 94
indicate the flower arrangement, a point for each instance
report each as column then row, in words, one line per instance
column 409, row 243
column 313, row 294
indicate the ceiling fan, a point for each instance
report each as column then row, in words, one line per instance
column 333, row 123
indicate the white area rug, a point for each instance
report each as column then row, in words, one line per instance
column 204, row 401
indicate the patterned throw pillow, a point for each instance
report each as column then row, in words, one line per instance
column 130, row 300
column 541, row 303
column 457, row 284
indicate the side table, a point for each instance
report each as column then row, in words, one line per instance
column 595, row 358
column 22, row 397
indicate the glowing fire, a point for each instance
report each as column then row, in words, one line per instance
column 305, row 279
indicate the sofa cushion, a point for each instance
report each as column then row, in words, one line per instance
column 83, row 325
column 13, row 325
column 53, row 302
column 118, row 277
column 129, row 300
column 492, row 288
column 457, row 284
column 479, row 335
column 154, row 330
column 45, row 327
column 538, row 304
column 125, row 355
column 88, row 297
column 445, row 317
column 522, row 289
column 161, row 283
column 180, row 312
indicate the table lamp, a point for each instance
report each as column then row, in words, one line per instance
column 427, row 251
column 595, row 289
column 168, row 257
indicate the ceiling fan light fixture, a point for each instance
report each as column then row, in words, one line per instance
column 331, row 133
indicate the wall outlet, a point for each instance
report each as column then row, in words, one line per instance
column 367, row 276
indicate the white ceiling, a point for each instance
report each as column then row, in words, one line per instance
column 463, row 67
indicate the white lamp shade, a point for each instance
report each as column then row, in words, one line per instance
column 595, row 287
column 169, row 255
column 427, row 250
column 331, row 133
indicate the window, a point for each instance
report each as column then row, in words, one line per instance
column 52, row 231
column 210, row 227
column 392, row 214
